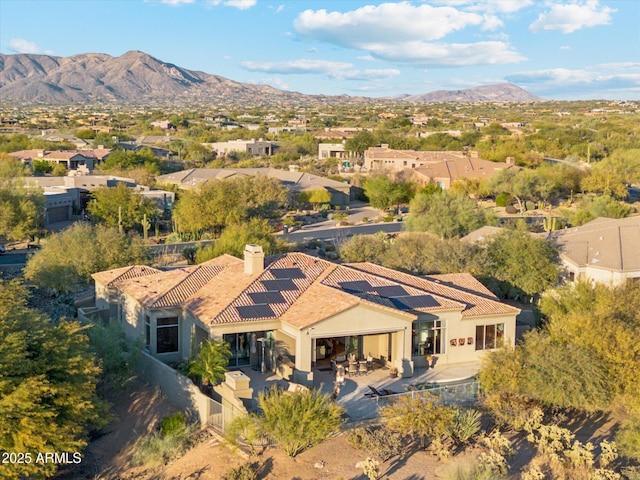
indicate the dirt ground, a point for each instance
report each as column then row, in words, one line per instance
column 141, row 407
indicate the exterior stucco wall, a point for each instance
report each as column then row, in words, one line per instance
column 599, row 275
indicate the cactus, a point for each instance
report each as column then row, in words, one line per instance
column 145, row 227
column 549, row 224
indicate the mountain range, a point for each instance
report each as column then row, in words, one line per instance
column 137, row 77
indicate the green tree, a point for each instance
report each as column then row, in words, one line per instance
column 425, row 253
column 69, row 258
column 360, row 142
column 364, row 248
column 41, row 167
column 110, row 204
column 315, row 197
column 522, row 265
column 383, row 193
column 298, row 421
column 234, row 238
column 20, row 207
column 48, row 399
column 211, row 361
column 590, row 208
column 446, row 215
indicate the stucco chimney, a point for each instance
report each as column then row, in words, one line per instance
column 253, row 259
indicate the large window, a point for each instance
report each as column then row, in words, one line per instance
column 167, row 335
column 427, row 336
column 489, row 336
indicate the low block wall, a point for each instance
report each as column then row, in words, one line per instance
column 177, row 388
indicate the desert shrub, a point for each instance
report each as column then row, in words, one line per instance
column 339, row 216
column 464, row 425
column 387, row 219
column 297, row 421
column 440, row 448
column 158, row 449
column 243, row 472
column 172, row 424
column 529, row 205
column 421, row 416
column 116, row 355
column 189, row 253
column 493, row 462
column 631, row 473
column 628, row 439
column 551, row 439
column 497, row 442
column 248, row 429
column 502, row 200
column 471, row 470
column 370, row 468
column 380, row 442
column 512, row 411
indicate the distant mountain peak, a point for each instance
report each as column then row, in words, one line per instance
column 502, row 92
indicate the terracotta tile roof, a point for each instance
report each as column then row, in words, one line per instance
column 608, row 243
column 311, row 269
column 460, row 167
column 342, row 275
column 172, row 288
column 461, row 287
column 110, row 277
column 300, row 290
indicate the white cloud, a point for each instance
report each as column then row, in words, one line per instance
column 367, row 74
column 403, row 32
column 493, row 6
column 176, row 2
column 20, row 45
column 571, row 17
column 387, row 22
column 239, row 4
column 565, row 47
column 446, row 54
column 591, row 82
column 332, row 70
column 297, row 66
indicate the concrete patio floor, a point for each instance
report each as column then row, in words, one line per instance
column 352, row 395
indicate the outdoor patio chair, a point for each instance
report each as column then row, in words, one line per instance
column 353, row 369
column 378, row 393
column 363, row 369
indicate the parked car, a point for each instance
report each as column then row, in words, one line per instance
column 2, row 249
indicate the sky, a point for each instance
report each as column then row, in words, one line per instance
column 564, row 50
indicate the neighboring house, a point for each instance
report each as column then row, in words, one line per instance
column 385, row 158
column 481, row 234
column 333, row 150
column 71, row 159
column 132, row 146
column 605, row 250
column 163, row 125
column 307, row 310
column 66, row 195
column 256, row 148
column 444, row 172
column 296, row 182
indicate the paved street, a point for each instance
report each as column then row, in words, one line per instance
column 324, row 232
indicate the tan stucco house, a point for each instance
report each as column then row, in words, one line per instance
column 604, row 250
column 306, row 311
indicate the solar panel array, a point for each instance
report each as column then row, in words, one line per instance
column 416, row 301
column 395, row 293
column 267, row 297
column 255, row 311
column 279, row 285
column 263, row 300
column 283, row 273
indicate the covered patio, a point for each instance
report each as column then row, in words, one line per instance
column 352, row 395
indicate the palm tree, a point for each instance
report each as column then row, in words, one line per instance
column 211, row 363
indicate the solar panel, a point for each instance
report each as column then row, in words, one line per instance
column 417, row 301
column 282, row 273
column 279, row 285
column 391, row 291
column 255, row 311
column 267, row 297
column 357, row 286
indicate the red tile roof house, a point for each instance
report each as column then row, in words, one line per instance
column 301, row 305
